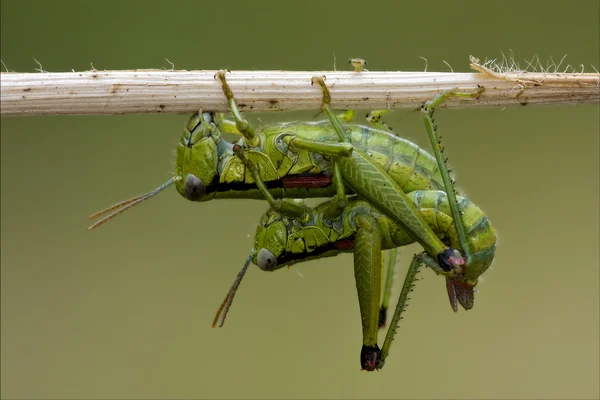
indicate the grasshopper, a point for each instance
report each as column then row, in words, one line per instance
column 362, row 229
column 300, row 160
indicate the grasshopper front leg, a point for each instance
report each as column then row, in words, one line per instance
column 241, row 124
column 285, row 207
column 334, row 150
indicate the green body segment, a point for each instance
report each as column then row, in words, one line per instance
column 292, row 241
column 276, row 157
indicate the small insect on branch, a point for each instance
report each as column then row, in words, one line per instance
column 173, row 91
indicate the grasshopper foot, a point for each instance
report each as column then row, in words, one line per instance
column 450, row 259
column 220, row 74
column 369, row 358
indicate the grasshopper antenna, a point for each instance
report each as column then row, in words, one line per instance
column 224, row 308
column 126, row 204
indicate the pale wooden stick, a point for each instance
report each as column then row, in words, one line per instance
column 160, row 91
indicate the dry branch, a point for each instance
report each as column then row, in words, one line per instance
column 160, row 91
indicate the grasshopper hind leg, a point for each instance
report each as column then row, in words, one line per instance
column 427, row 111
column 457, row 290
column 390, row 271
column 367, row 273
column 407, row 287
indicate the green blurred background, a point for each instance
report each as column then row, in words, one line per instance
column 125, row 311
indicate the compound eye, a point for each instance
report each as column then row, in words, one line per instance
column 193, row 188
column 266, row 260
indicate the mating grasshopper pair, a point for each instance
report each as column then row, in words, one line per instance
column 329, row 159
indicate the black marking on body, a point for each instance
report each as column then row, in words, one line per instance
column 286, row 257
column 220, row 187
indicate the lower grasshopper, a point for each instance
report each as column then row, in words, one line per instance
column 294, row 159
column 362, row 229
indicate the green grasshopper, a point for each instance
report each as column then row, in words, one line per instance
column 300, row 160
column 362, row 229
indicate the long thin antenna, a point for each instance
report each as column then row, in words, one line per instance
column 127, row 204
column 224, row 308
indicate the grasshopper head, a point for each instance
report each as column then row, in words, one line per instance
column 196, row 167
column 197, row 157
column 271, row 240
column 282, row 241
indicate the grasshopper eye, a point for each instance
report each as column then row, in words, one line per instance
column 193, row 188
column 266, row 260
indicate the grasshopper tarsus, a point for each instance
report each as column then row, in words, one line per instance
column 369, row 358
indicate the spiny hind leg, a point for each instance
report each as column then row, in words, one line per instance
column 241, row 124
column 390, row 270
column 407, row 287
column 438, row 150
